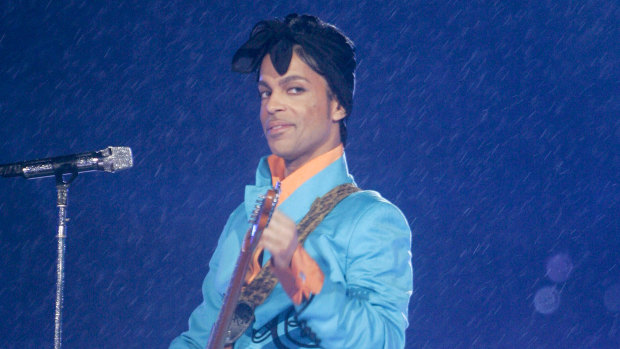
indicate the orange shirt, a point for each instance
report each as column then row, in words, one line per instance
column 303, row 277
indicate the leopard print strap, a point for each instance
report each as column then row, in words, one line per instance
column 255, row 293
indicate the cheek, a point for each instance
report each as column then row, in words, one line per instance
column 316, row 114
column 262, row 116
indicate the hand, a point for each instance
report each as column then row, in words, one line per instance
column 280, row 239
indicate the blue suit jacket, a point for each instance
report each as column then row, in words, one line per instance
column 363, row 248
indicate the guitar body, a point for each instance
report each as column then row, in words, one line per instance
column 223, row 332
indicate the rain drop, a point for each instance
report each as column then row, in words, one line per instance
column 547, row 300
column 559, row 267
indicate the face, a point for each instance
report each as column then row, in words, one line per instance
column 299, row 119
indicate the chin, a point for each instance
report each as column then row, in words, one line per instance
column 287, row 156
column 284, row 151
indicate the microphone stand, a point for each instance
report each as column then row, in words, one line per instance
column 111, row 159
column 62, row 189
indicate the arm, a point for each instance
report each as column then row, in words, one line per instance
column 201, row 319
column 205, row 315
column 370, row 310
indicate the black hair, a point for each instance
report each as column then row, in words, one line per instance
column 321, row 45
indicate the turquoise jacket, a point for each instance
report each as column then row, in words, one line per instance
column 362, row 247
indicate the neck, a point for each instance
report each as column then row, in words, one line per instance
column 292, row 166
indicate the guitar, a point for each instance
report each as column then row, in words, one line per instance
column 222, row 333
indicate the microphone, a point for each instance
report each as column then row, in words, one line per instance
column 110, row 159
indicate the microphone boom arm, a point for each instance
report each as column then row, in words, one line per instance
column 110, row 159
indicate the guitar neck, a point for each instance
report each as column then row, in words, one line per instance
column 261, row 217
column 218, row 332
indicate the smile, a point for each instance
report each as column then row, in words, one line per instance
column 278, row 129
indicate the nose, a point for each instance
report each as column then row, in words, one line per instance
column 275, row 102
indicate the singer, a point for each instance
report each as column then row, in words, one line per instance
column 348, row 285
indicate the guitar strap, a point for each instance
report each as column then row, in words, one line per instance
column 255, row 293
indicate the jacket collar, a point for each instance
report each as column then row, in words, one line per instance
column 298, row 204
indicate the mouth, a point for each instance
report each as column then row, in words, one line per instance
column 278, row 128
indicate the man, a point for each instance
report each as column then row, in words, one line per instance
column 349, row 285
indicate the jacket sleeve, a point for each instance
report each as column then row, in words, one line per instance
column 302, row 279
column 370, row 310
column 204, row 316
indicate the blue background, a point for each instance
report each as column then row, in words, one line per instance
column 493, row 125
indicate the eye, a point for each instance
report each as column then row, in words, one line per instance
column 264, row 94
column 296, row 90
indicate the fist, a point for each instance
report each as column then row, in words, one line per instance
column 280, row 239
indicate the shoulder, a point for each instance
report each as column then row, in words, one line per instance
column 369, row 215
column 366, row 203
column 235, row 227
column 376, row 233
column 369, row 197
column 238, row 213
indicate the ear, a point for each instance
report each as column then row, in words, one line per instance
column 337, row 111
